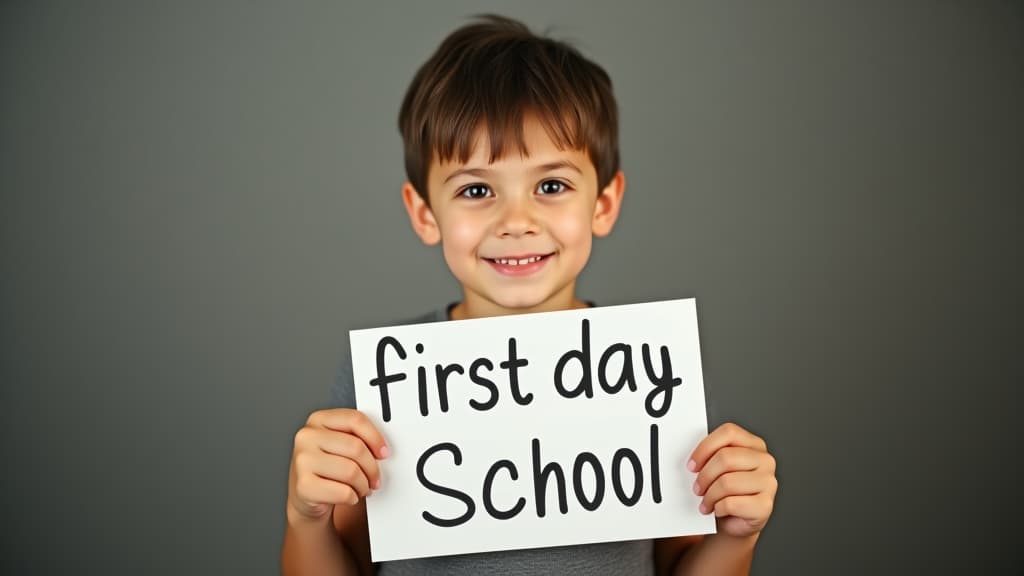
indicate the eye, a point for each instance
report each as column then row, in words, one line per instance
column 475, row 191
column 549, row 187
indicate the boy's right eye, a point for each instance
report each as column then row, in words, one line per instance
column 475, row 191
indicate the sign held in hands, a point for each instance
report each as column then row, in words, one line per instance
column 534, row 430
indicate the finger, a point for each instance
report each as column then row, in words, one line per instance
column 315, row 489
column 352, row 422
column 735, row 484
column 753, row 508
column 727, row 434
column 338, row 469
column 728, row 459
column 344, row 470
column 313, row 442
column 349, row 446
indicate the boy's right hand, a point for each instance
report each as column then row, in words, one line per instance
column 334, row 461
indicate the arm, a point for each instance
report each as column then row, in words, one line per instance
column 736, row 477
column 318, row 548
column 711, row 554
column 334, row 467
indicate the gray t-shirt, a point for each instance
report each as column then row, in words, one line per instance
column 635, row 557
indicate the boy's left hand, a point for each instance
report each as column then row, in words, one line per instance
column 736, row 476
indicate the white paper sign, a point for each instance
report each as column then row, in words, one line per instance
column 534, row 430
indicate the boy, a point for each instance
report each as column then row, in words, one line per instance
column 512, row 158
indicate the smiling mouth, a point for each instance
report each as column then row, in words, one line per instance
column 518, row 261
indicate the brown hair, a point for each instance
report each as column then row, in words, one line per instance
column 492, row 73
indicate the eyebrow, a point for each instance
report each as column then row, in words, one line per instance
column 542, row 168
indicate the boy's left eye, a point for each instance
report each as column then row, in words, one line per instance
column 551, row 187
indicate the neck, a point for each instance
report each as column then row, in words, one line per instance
column 471, row 307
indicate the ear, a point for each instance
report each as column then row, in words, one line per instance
column 420, row 215
column 609, row 201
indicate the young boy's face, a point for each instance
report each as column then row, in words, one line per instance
column 517, row 232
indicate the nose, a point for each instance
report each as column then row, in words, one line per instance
column 516, row 218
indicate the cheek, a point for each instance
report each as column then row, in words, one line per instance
column 574, row 228
column 465, row 234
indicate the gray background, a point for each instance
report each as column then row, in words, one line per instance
column 201, row 199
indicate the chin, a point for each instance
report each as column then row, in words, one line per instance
column 522, row 302
column 518, row 303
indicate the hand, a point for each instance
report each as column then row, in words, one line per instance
column 736, row 476
column 334, row 461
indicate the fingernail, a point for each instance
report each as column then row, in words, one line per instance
column 384, row 451
column 692, row 465
column 704, row 508
column 696, row 488
column 376, row 484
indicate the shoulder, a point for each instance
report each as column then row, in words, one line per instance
column 342, row 393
